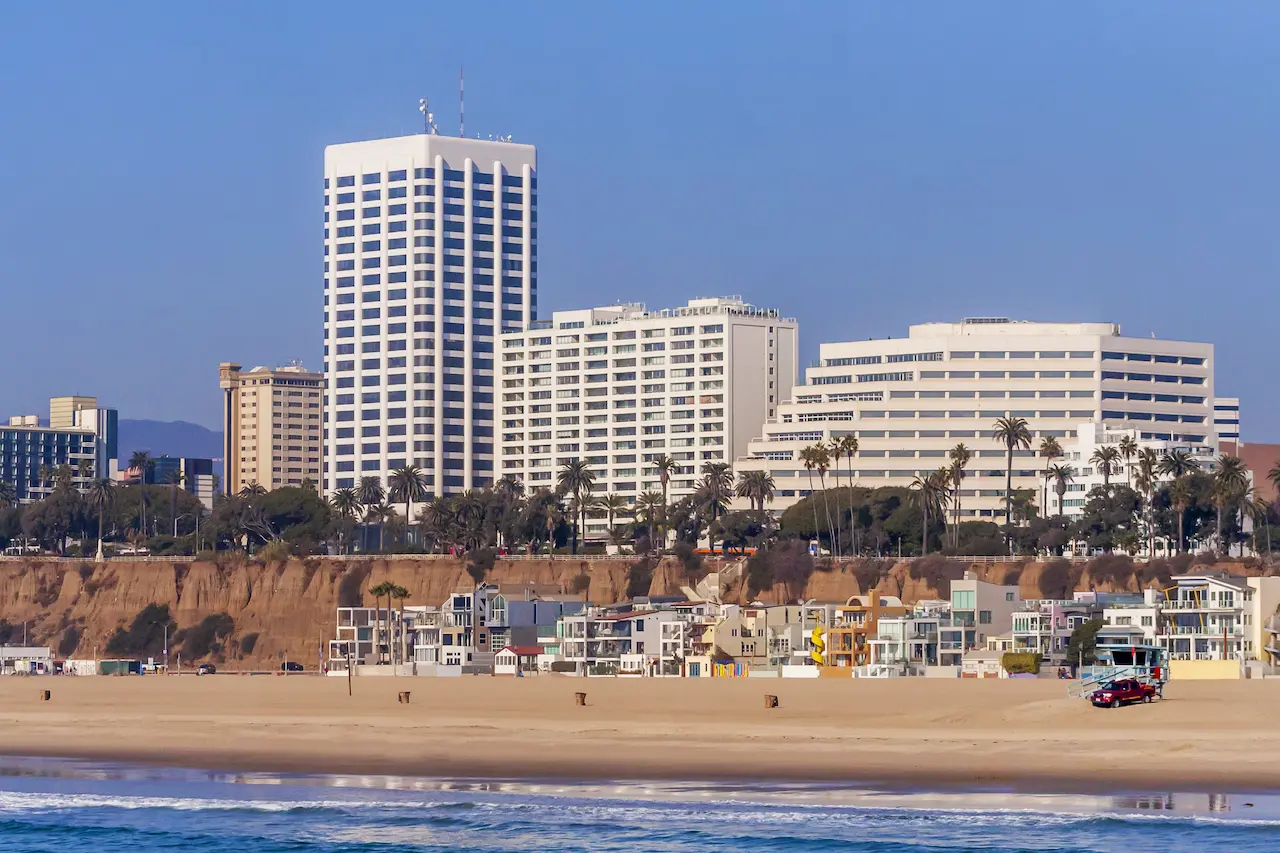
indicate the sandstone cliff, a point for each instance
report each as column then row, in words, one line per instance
column 291, row 606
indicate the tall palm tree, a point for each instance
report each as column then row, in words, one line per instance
column 930, row 492
column 1061, row 476
column 1274, row 476
column 383, row 513
column 576, row 478
column 755, row 486
column 1145, row 482
column 1179, row 464
column 717, row 487
column 1050, row 450
column 435, row 518
column 101, row 496
column 649, row 506
column 84, row 469
column 378, row 592
column 1107, row 460
column 847, row 446
column 1128, row 448
column 1180, row 496
column 370, row 493
column 175, row 478
column 960, row 456
column 822, row 464
column 399, row 593
column 1230, row 482
column 1014, row 435
column 834, row 451
column 345, row 503
column 809, row 456
column 141, row 460
column 406, row 485
column 1259, row 508
column 666, row 466
column 613, row 505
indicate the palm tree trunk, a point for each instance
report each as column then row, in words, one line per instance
column 1008, row 501
column 815, row 507
column 1181, row 512
column 924, row 525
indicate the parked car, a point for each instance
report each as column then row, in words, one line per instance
column 1122, row 692
column 291, row 666
column 206, row 669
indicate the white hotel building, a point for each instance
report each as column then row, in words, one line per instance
column 620, row 386
column 430, row 246
column 910, row 400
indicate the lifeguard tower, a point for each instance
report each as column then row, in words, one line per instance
column 1123, row 653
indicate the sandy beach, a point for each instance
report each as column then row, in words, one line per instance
column 903, row 732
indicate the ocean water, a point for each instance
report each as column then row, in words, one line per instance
column 78, row 807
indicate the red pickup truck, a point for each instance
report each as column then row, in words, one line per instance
column 1122, row 692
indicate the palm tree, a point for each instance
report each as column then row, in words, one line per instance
column 141, row 460
column 1014, row 435
column 666, row 466
column 1179, row 464
column 1259, row 508
column 1061, row 476
column 101, row 496
column 576, row 478
column 613, row 505
column 931, row 493
column 648, row 506
column 378, row 592
column 345, row 503
column 383, row 513
column 960, row 456
column 716, row 487
column 1107, row 460
column 1180, row 496
column 84, row 469
column 370, row 494
column 1145, row 482
column 1128, row 448
column 1274, row 476
column 1230, row 481
column 399, row 593
column 755, row 486
column 407, row 484
column 176, row 478
column 809, row 456
column 846, row 446
column 1050, row 449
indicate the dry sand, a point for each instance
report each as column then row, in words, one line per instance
column 912, row 732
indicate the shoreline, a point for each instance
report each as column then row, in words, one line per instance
column 923, row 735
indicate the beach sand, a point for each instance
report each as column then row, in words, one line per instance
column 1024, row 734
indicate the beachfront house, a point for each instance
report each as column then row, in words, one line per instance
column 854, row 623
column 609, row 641
column 1045, row 626
column 982, row 609
column 1211, row 615
column 513, row 660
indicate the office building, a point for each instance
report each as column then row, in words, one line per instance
column 430, row 253
column 193, row 475
column 84, row 440
column 1226, row 423
column 619, row 387
column 270, row 426
column 910, row 400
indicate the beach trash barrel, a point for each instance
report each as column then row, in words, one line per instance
column 403, row 698
column 580, row 699
column 45, row 695
column 770, row 701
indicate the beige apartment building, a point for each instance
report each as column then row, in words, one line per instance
column 270, row 426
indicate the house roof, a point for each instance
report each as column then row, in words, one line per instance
column 623, row 616
column 522, row 651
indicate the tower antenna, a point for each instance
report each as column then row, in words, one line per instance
column 428, row 118
column 462, row 104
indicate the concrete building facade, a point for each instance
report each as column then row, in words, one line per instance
column 910, row 400
column 430, row 252
column 83, row 439
column 271, row 434
column 619, row 387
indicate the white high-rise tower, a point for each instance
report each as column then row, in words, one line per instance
column 430, row 254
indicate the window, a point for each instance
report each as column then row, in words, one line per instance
column 984, row 617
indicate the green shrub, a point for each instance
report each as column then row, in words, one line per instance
column 1016, row 663
column 206, row 638
column 248, row 643
column 563, row 666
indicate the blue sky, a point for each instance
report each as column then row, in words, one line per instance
column 862, row 165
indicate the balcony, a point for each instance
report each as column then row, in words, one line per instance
column 1192, row 605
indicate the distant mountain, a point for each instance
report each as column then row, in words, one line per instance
column 168, row 438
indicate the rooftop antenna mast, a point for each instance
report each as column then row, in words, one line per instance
column 462, row 104
column 428, row 118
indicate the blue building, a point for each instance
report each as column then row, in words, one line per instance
column 79, row 435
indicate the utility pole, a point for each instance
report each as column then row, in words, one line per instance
column 349, row 667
